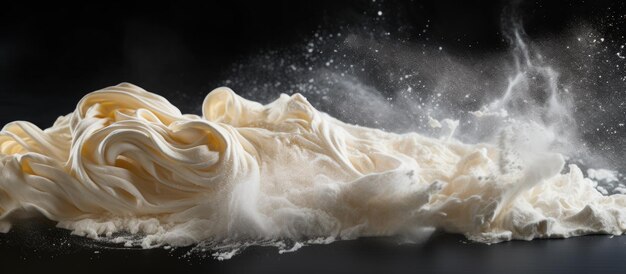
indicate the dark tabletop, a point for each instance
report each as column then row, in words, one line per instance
column 35, row 246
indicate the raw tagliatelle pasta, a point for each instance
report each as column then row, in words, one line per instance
column 126, row 160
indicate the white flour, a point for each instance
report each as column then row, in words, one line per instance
column 126, row 160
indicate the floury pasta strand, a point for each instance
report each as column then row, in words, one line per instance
column 126, row 160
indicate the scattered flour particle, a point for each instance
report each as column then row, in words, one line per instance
column 602, row 190
column 620, row 189
column 433, row 123
column 225, row 255
column 292, row 249
column 604, row 175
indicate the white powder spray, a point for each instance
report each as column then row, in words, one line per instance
column 126, row 160
column 128, row 167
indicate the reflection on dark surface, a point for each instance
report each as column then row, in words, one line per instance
column 35, row 245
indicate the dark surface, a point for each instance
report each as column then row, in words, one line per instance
column 50, row 56
column 36, row 246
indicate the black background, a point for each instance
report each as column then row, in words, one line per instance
column 51, row 55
